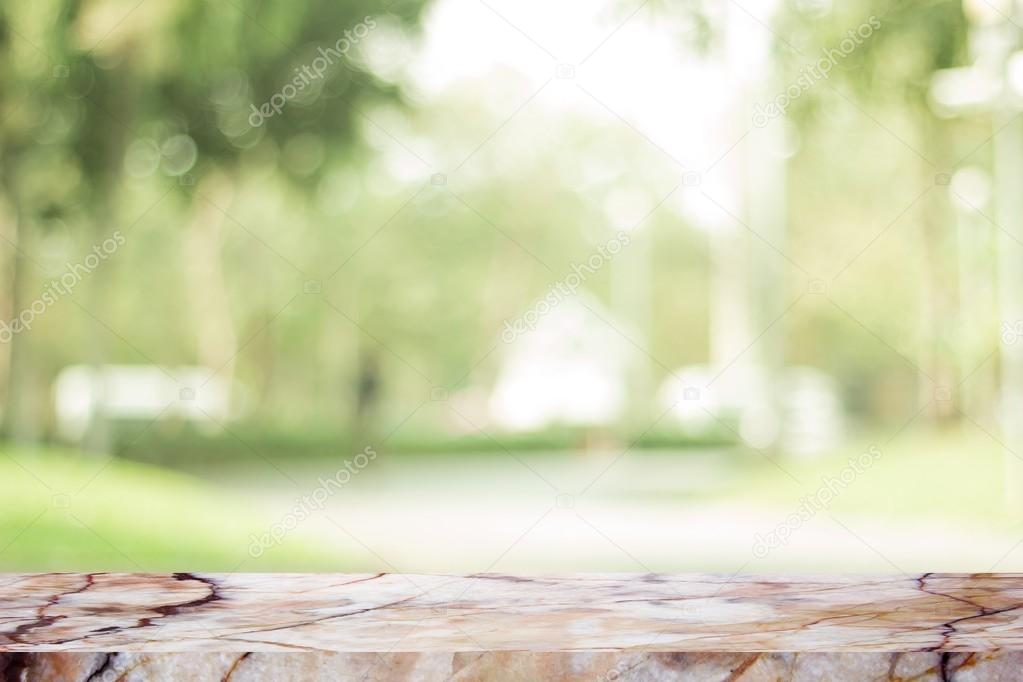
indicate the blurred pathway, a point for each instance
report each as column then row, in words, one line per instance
column 650, row 511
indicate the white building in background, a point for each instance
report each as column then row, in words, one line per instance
column 810, row 419
column 82, row 393
column 813, row 418
column 570, row 369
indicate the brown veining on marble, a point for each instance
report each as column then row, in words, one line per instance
column 491, row 612
column 511, row 667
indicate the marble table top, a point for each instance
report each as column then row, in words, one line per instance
column 511, row 666
column 933, row 614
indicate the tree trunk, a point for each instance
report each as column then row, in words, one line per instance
column 21, row 419
column 939, row 352
column 1009, row 211
column 216, row 341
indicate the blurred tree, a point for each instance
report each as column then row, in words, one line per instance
column 891, row 72
column 166, row 90
column 109, row 115
column 40, row 178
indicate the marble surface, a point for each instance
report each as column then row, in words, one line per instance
column 510, row 667
column 419, row 614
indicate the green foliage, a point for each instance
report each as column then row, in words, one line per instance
column 65, row 511
column 186, row 447
column 335, row 191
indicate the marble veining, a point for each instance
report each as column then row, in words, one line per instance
column 510, row 667
column 688, row 613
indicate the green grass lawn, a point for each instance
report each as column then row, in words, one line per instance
column 957, row 473
column 62, row 510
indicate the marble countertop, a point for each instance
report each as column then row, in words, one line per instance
column 932, row 614
column 511, row 666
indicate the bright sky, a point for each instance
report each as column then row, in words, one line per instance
column 633, row 65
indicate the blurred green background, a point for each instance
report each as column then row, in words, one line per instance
column 459, row 285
